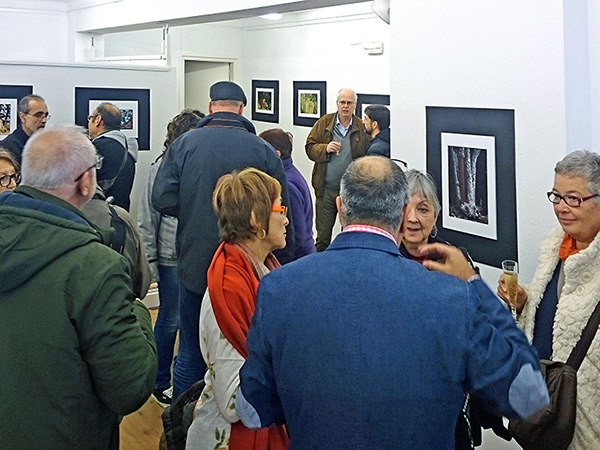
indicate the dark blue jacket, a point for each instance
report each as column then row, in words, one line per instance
column 221, row 143
column 380, row 144
column 359, row 347
column 302, row 209
column 14, row 143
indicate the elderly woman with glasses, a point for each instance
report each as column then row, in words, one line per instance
column 555, row 308
column 251, row 222
column 9, row 172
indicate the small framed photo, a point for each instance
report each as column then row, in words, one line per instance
column 365, row 100
column 310, row 102
column 133, row 103
column 9, row 114
column 265, row 100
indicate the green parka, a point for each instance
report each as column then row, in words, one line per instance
column 76, row 348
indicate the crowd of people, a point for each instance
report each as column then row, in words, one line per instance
column 382, row 337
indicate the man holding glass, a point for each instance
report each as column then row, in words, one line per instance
column 334, row 141
column 33, row 115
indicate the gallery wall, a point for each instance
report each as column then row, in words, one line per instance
column 505, row 55
column 56, row 83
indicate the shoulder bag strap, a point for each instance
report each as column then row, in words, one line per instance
column 578, row 353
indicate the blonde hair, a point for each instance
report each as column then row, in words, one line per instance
column 239, row 194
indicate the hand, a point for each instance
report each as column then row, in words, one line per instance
column 334, row 147
column 503, row 294
column 450, row 260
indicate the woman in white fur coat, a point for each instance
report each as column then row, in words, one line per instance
column 555, row 307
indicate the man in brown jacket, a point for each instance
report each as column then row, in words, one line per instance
column 334, row 141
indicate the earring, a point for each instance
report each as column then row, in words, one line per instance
column 434, row 232
column 264, row 234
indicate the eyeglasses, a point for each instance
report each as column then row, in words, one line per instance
column 91, row 116
column 344, row 103
column 40, row 115
column 570, row 200
column 280, row 209
column 97, row 165
column 5, row 180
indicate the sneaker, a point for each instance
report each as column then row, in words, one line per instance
column 163, row 396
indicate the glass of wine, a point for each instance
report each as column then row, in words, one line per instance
column 510, row 269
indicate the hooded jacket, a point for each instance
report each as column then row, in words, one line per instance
column 380, row 144
column 77, row 350
column 114, row 177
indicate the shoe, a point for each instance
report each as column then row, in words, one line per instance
column 163, row 396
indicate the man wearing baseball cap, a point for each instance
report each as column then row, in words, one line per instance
column 222, row 142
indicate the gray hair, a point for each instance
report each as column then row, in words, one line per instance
column 422, row 184
column 23, row 105
column 583, row 164
column 374, row 191
column 347, row 89
column 53, row 158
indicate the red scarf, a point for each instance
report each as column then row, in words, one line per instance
column 232, row 289
column 568, row 247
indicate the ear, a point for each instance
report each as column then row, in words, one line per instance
column 278, row 153
column 402, row 228
column 210, row 109
column 338, row 204
column 254, row 221
column 21, row 116
column 84, row 185
column 241, row 109
column 375, row 125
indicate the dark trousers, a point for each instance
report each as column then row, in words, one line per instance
column 326, row 212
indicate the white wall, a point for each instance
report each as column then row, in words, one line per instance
column 319, row 50
column 56, row 83
column 490, row 55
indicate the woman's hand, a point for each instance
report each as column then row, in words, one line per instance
column 503, row 294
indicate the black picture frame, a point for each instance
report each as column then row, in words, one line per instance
column 479, row 123
column 83, row 95
column 265, row 100
column 364, row 100
column 14, row 93
column 316, row 91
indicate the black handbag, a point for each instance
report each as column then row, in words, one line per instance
column 552, row 428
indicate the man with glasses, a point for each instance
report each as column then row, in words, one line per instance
column 77, row 347
column 33, row 115
column 120, row 154
column 334, row 141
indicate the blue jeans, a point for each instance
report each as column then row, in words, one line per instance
column 165, row 329
column 189, row 366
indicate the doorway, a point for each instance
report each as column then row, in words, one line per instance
column 198, row 76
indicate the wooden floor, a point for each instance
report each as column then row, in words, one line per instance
column 141, row 430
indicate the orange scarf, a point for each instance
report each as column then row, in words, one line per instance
column 232, row 289
column 568, row 247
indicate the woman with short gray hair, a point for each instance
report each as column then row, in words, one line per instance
column 555, row 308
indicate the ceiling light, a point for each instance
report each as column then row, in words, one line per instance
column 272, row 16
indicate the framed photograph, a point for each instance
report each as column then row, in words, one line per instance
column 265, row 100
column 365, row 100
column 467, row 149
column 9, row 114
column 310, row 102
column 133, row 103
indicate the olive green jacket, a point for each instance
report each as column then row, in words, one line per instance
column 76, row 348
column 321, row 135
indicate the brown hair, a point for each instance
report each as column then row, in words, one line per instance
column 7, row 156
column 279, row 139
column 239, row 194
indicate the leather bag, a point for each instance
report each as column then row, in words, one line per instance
column 552, row 428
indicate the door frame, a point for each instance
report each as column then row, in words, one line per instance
column 197, row 58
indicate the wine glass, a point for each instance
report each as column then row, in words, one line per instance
column 510, row 269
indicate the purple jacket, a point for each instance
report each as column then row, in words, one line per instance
column 302, row 209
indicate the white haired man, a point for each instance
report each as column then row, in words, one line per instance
column 77, row 349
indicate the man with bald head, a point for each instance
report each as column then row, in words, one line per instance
column 120, row 154
column 334, row 141
column 359, row 347
column 76, row 347
column 33, row 116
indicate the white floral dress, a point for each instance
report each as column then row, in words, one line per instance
column 215, row 410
